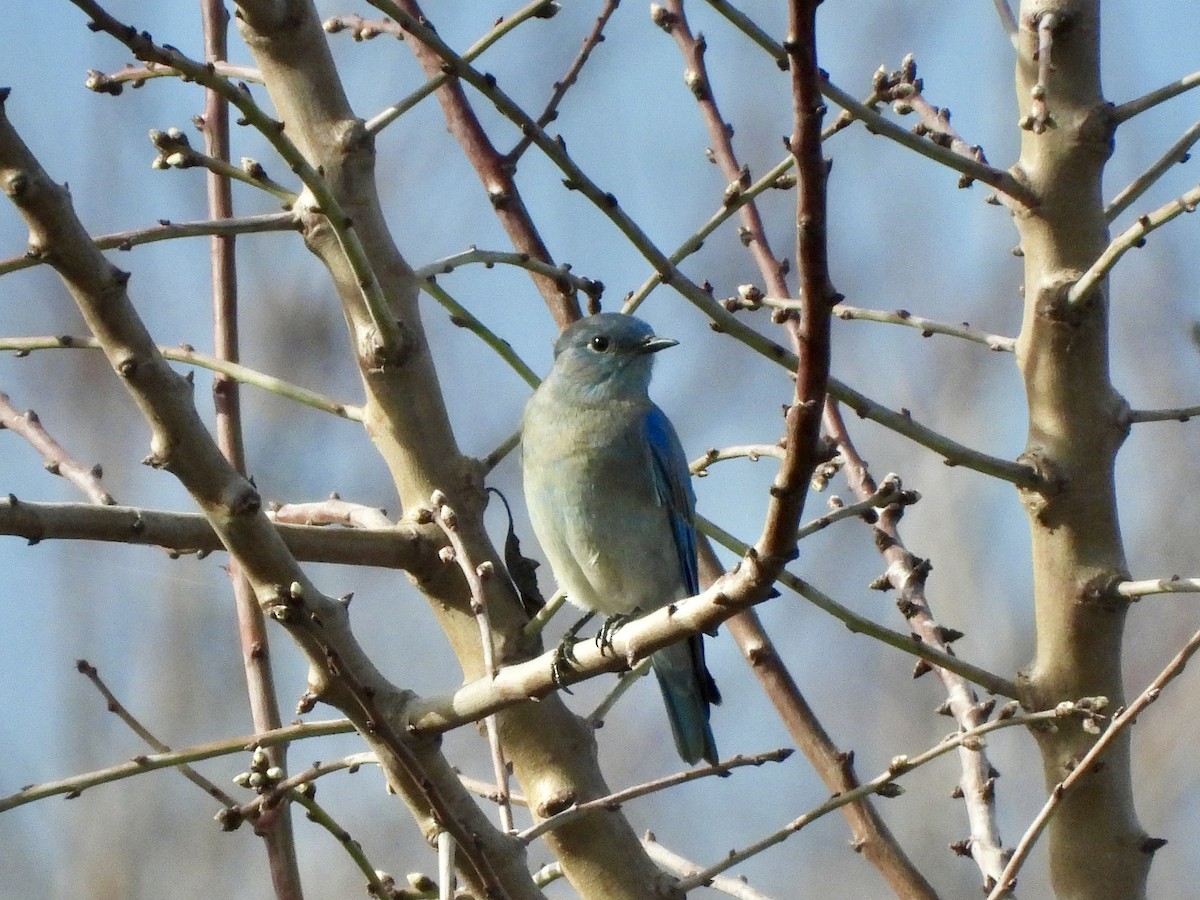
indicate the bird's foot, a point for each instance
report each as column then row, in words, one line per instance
column 564, row 660
column 604, row 639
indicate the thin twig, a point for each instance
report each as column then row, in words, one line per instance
column 447, row 519
column 673, row 862
column 753, row 452
column 276, row 830
column 890, row 493
column 564, row 84
column 618, row 798
column 751, row 298
column 489, row 258
column 538, row 9
column 876, row 123
column 903, row 90
column 673, row 20
column 776, row 178
column 884, row 783
column 1178, row 414
column 954, row 453
column 1087, row 765
column 73, row 786
column 627, row 680
column 1126, row 111
column 1008, row 21
column 116, row 706
column 1173, row 585
column 362, row 29
column 378, row 883
column 906, row 574
column 1134, row 236
column 137, row 76
column 176, row 152
column 990, row 682
column 56, row 459
column 166, row 230
column 464, row 318
column 23, row 346
column 237, row 813
column 323, row 197
column 1177, row 153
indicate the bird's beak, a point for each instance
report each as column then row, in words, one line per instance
column 654, row 344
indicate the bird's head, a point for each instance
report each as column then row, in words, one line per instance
column 607, row 355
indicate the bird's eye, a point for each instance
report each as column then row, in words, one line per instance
column 599, row 343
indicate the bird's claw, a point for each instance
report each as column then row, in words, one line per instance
column 604, row 638
column 563, row 663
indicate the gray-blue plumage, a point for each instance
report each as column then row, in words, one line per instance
column 610, row 499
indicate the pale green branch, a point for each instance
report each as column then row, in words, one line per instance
column 1178, row 153
column 994, row 684
column 538, row 9
column 464, row 318
column 1126, row 111
column 1174, row 585
column 489, row 258
column 76, row 784
column 166, row 230
column 1085, row 766
column 877, row 123
column 1134, row 236
column 1180, row 414
column 23, row 346
column 884, row 784
column 323, row 197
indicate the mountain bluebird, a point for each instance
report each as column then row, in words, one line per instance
column 611, row 503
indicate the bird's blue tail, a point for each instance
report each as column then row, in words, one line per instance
column 688, row 690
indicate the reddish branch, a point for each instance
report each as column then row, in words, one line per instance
column 496, row 173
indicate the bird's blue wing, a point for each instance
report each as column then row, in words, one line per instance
column 673, row 485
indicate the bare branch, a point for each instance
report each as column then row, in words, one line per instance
column 137, row 76
column 877, row 124
column 57, row 461
column 1134, row 236
column 185, row 354
column 749, row 297
column 176, row 152
column 1178, row 153
column 444, row 516
column 1087, row 765
column 116, row 707
column 1179, row 414
column 619, row 798
column 389, row 340
column 75, row 785
column 906, row 575
column 166, row 230
column 564, row 84
column 406, row 546
column 1135, row 590
column 1007, row 20
column 989, row 681
column 673, row 862
column 884, row 783
column 592, row 289
column 1126, row 111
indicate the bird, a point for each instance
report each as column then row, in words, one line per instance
column 610, row 499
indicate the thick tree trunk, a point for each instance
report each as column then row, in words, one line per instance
column 1075, row 429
